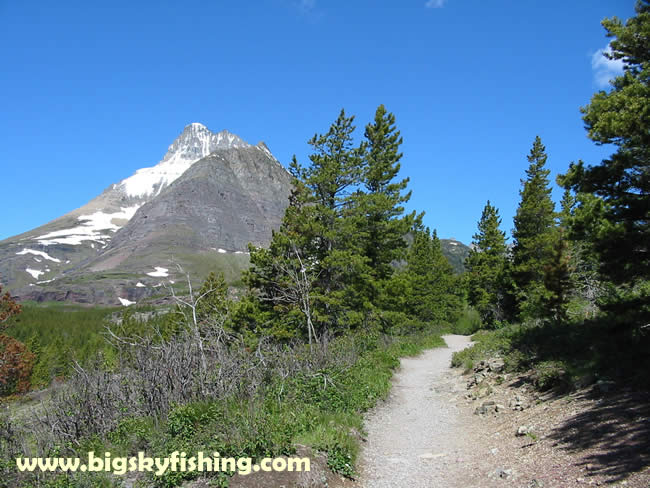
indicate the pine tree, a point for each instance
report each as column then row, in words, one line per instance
column 534, row 235
column 432, row 289
column 214, row 303
column 486, row 265
column 620, row 185
column 276, row 273
column 332, row 179
column 558, row 280
column 383, row 225
column 313, row 278
column 566, row 210
column 580, row 217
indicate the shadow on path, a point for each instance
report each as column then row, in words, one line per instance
column 616, row 428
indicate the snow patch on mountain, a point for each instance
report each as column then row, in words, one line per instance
column 35, row 272
column 159, row 273
column 151, row 181
column 195, row 142
column 38, row 253
column 263, row 147
column 93, row 228
column 125, row 302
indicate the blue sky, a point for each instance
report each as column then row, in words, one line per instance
column 92, row 91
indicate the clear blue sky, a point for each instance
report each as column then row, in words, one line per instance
column 92, row 91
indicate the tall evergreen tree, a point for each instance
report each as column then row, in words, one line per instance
column 378, row 205
column 486, row 265
column 580, row 216
column 382, row 206
column 558, row 273
column 334, row 175
column 314, row 273
column 620, row 116
column 534, row 234
column 277, row 273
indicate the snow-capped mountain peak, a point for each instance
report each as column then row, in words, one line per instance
column 195, row 142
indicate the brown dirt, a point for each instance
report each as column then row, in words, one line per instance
column 588, row 437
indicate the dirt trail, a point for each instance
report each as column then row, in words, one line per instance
column 416, row 439
column 431, row 432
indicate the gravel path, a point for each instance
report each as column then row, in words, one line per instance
column 415, row 439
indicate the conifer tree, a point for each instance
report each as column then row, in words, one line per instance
column 317, row 249
column 581, row 216
column 558, row 280
column 276, row 272
column 534, row 235
column 432, row 291
column 332, row 178
column 383, row 225
column 214, row 303
column 619, row 187
column 486, row 265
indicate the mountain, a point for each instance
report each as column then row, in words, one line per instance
column 198, row 208
column 456, row 252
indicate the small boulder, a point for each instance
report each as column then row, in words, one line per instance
column 605, row 386
column 485, row 408
column 518, row 403
column 481, row 410
column 523, row 430
column 496, row 365
column 503, row 473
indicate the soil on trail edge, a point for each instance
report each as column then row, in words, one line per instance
column 415, row 439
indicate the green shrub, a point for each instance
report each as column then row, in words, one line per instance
column 468, row 323
column 487, row 344
column 133, row 433
column 550, row 374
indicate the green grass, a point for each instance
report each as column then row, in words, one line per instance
column 488, row 344
column 468, row 323
column 231, row 265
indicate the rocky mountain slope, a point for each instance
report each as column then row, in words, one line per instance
column 199, row 207
column 456, row 252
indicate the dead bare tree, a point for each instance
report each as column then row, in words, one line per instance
column 191, row 303
column 297, row 290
